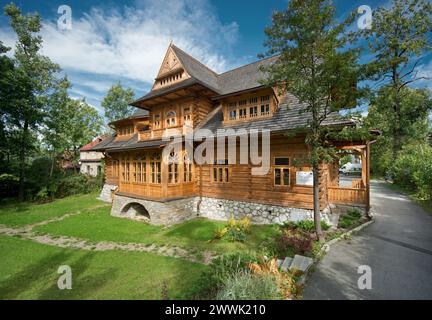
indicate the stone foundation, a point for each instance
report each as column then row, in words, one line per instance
column 105, row 194
column 172, row 212
column 159, row 213
column 220, row 209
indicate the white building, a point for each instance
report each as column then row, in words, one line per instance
column 91, row 161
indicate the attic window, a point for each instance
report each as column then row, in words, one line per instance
column 171, row 78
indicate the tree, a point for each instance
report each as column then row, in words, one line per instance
column 29, row 84
column 415, row 106
column 70, row 123
column 399, row 37
column 316, row 66
column 117, row 103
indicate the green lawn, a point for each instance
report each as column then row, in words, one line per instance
column 15, row 214
column 98, row 225
column 29, row 271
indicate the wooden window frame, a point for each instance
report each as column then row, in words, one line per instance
column 157, row 123
column 223, row 173
column 171, row 120
column 281, row 168
column 173, row 175
column 187, row 169
column 125, row 176
column 115, row 168
column 187, row 115
column 155, row 175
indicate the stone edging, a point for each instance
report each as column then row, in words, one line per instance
column 326, row 247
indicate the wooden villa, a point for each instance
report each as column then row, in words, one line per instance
column 188, row 96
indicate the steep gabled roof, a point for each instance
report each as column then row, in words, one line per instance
column 242, row 78
column 245, row 77
column 196, row 69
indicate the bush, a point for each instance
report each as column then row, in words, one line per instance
column 77, row 184
column 413, row 170
column 42, row 196
column 305, row 225
column 350, row 218
column 292, row 242
column 243, row 285
column 220, row 269
column 234, row 230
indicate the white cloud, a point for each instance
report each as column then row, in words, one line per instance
column 131, row 42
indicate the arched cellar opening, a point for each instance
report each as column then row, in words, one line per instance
column 136, row 211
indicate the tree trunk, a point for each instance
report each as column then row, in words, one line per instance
column 316, row 202
column 22, row 162
column 397, row 129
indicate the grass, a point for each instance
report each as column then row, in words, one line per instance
column 99, row 225
column 18, row 214
column 29, row 271
column 350, row 219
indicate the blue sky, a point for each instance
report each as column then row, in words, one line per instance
column 126, row 40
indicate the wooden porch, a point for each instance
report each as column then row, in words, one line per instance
column 359, row 191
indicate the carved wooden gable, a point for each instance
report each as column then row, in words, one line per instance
column 170, row 63
column 171, row 71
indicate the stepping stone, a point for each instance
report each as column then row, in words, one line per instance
column 286, row 264
column 301, row 263
column 279, row 262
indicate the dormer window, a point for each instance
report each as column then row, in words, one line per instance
column 171, row 119
column 124, row 131
column 253, row 107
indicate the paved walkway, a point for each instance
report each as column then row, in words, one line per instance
column 397, row 247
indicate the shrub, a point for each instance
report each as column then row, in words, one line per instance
column 234, row 230
column 285, row 281
column 243, row 285
column 413, row 170
column 350, row 218
column 77, row 184
column 42, row 196
column 220, row 269
column 293, row 241
column 305, row 225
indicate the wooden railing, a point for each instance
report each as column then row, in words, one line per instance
column 346, row 195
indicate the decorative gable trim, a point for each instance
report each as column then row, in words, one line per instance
column 171, row 71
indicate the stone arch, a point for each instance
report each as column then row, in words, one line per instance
column 136, row 211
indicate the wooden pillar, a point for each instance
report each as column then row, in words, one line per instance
column 164, row 175
column 364, row 161
column 367, row 178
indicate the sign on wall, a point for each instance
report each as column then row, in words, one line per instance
column 304, row 178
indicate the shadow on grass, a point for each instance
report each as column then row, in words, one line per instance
column 41, row 278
